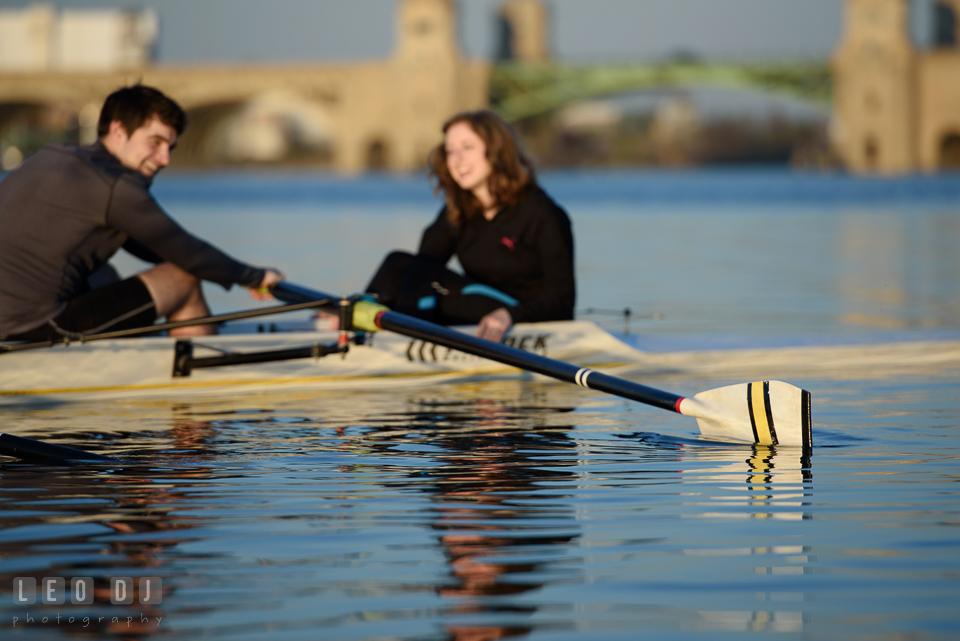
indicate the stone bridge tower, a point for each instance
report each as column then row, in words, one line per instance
column 426, row 70
column 938, row 134
column 874, row 72
column 896, row 109
column 524, row 31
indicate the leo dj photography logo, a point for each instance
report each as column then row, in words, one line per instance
column 53, row 590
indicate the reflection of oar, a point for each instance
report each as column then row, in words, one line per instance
column 27, row 448
column 765, row 412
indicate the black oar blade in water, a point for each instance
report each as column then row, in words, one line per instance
column 30, row 449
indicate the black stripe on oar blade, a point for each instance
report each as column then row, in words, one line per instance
column 769, row 410
column 753, row 421
column 806, row 425
column 30, row 449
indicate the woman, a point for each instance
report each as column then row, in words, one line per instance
column 514, row 243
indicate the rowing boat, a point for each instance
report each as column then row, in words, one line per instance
column 765, row 412
column 294, row 357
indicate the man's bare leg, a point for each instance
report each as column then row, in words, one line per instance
column 178, row 296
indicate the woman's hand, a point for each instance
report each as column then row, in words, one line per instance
column 270, row 278
column 495, row 324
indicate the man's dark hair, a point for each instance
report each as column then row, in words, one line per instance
column 133, row 106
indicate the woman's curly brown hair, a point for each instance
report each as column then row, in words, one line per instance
column 512, row 173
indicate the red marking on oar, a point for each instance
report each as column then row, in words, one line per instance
column 376, row 319
column 676, row 406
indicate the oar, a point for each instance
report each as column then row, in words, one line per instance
column 28, row 448
column 764, row 412
column 162, row 327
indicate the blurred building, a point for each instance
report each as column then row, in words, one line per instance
column 56, row 68
column 41, row 38
column 523, row 31
column 897, row 109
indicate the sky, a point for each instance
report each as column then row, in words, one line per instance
column 586, row 31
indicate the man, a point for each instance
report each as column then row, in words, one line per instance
column 68, row 209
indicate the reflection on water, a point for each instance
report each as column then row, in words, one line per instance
column 772, row 478
column 898, row 271
column 498, row 532
column 97, row 522
column 168, row 511
column 487, row 511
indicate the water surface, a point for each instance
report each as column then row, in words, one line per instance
column 527, row 509
column 722, row 251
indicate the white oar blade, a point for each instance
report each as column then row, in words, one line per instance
column 764, row 412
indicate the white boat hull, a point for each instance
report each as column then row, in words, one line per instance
column 144, row 366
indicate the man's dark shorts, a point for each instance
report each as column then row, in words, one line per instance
column 122, row 305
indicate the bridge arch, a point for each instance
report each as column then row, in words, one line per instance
column 25, row 126
column 944, row 25
column 201, row 140
column 871, row 152
column 378, row 154
column 950, row 151
column 13, row 114
column 271, row 127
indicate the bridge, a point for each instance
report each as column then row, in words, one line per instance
column 378, row 114
column 519, row 91
column 368, row 114
column 354, row 116
column 896, row 108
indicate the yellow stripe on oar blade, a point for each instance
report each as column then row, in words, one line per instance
column 761, row 416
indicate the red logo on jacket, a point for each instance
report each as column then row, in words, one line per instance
column 510, row 243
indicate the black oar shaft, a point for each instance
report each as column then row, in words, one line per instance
column 211, row 320
column 634, row 391
column 433, row 333
column 28, row 448
column 161, row 327
column 585, row 377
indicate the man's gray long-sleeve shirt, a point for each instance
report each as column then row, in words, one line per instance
column 65, row 212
